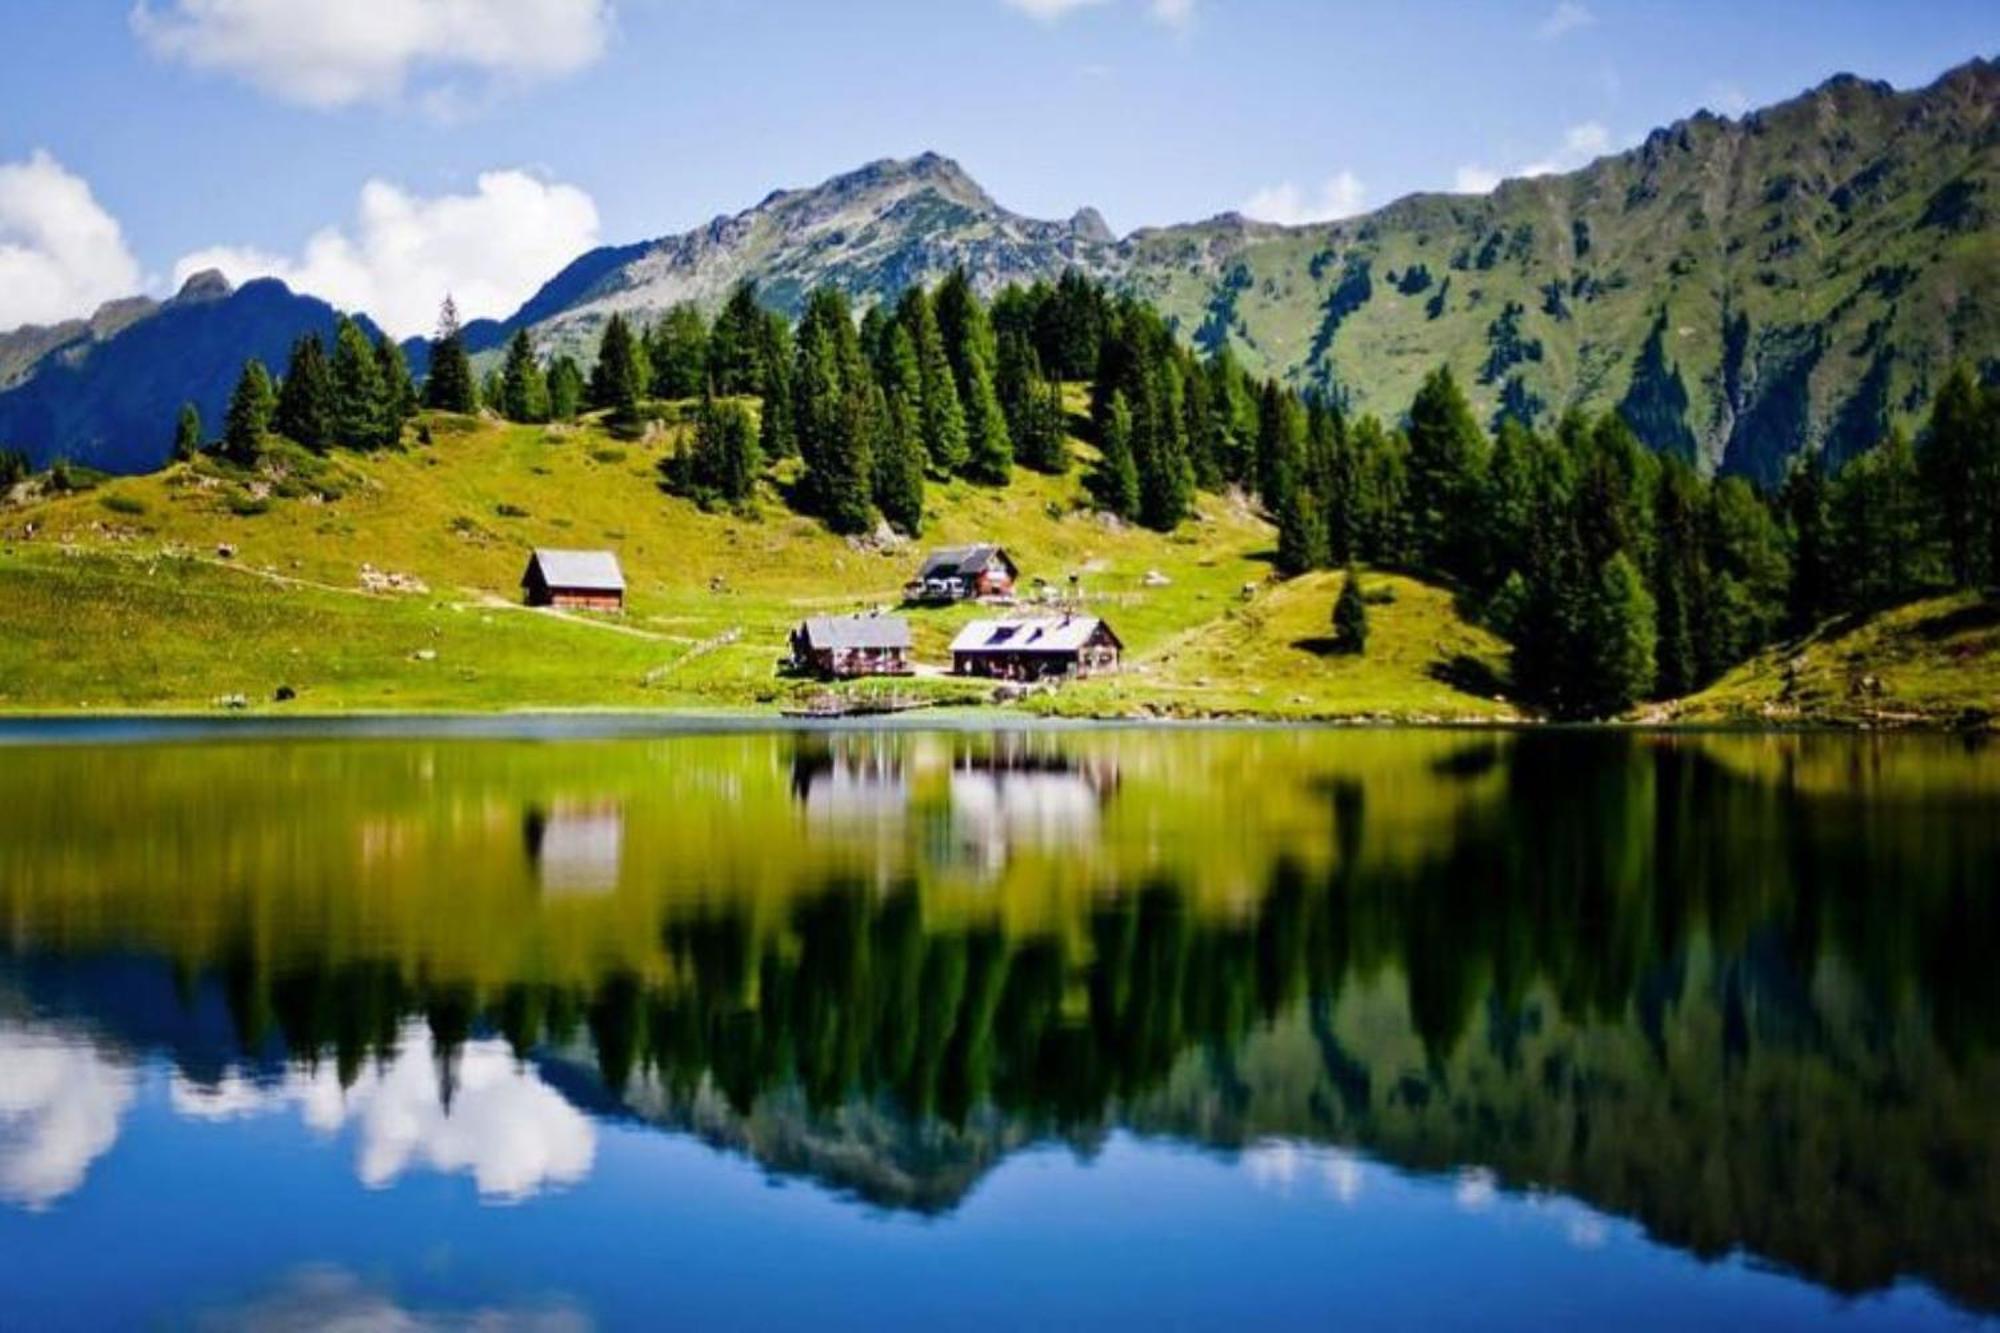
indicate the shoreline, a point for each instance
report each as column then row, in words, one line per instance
column 139, row 726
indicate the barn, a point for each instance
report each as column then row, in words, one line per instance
column 575, row 580
column 1036, row 648
column 840, row 647
column 960, row 573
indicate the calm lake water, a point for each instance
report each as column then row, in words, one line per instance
column 1086, row 1027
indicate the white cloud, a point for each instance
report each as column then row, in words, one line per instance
column 1339, row 196
column 329, row 1297
column 1475, row 1190
column 333, row 55
column 61, row 254
column 490, row 250
column 1580, row 145
column 1565, row 18
column 1729, row 99
column 1048, row 11
column 1175, row 14
column 1475, row 180
column 506, row 1128
column 60, row 1108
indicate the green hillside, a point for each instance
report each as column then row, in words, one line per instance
column 389, row 581
column 1932, row 662
column 1741, row 288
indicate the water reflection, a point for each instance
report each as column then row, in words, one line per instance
column 473, row 1111
column 1738, row 990
column 576, row 846
column 60, row 1104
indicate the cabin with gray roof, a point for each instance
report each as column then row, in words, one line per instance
column 843, row 647
column 1036, row 648
column 574, row 580
column 960, row 573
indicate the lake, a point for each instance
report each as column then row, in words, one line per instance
column 585, row 1025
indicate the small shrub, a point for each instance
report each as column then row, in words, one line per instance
column 608, row 455
column 505, row 510
column 245, row 505
column 1350, row 616
column 123, row 504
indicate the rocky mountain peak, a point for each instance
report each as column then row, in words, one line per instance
column 207, row 285
column 1089, row 225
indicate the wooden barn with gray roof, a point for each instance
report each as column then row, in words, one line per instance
column 842, row 647
column 574, row 580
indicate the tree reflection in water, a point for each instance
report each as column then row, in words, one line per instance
column 1740, row 991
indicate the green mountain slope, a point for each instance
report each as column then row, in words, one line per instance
column 1797, row 278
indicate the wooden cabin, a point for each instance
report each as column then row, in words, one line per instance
column 961, row 573
column 1036, row 648
column 575, row 580
column 844, row 647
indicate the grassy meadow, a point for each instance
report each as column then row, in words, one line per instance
column 387, row 582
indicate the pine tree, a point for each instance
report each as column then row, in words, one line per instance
column 1044, row 442
column 1879, row 524
column 725, row 461
column 1446, row 475
column 399, row 391
column 680, row 353
column 899, row 461
column 1301, row 533
column 1620, row 641
column 1679, row 578
column 1350, row 615
column 1166, row 484
column 449, row 387
column 187, row 434
column 249, row 415
column 616, row 380
column 304, row 411
column 940, row 415
column 968, row 336
column 1277, row 445
column 777, row 428
column 1952, row 472
column 524, row 391
column 899, row 466
column 566, row 388
column 989, row 447
column 735, row 365
column 1116, row 482
column 358, row 394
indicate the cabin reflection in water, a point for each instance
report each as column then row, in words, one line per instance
column 576, row 846
column 974, row 799
column 1023, row 792
column 849, row 780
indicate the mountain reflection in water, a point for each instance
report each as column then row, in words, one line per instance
column 1737, row 989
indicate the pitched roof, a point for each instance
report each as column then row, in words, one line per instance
column 847, row 632
column 1033, row 634
column 965, row 561
column 596, row 571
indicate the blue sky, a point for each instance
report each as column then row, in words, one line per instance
column 238, row 131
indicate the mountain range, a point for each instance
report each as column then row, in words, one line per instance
column 1740, row 289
